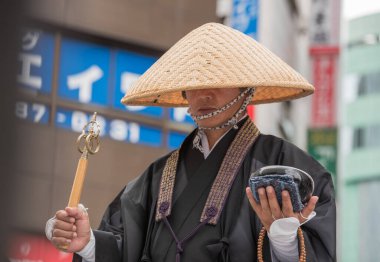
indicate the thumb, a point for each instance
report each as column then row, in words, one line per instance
column 79, row 212
column 308, row 209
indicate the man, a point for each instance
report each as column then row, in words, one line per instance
column 194, row 203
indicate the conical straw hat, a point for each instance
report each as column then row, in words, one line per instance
column 216, row 56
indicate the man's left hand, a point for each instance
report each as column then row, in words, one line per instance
column 268, row 210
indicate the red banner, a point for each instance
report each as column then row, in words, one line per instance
column 251, row 112
column 35, row 249
column 324, row 79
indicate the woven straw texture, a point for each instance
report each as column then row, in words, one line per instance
column 216, row 56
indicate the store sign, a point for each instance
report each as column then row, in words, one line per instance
column 84, row 72
column 93, row 74
column 36, row 61
column 117, row 129
column 325, row 22
column 129, row 67
column 88, row 73
column 322, row 145
column 324, row 66
column 32, row 112
column 27, row 248
column 245, row 16
column 324, row 51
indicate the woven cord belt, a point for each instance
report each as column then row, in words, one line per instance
column 219, row 190
column 260, row 244
column 222, row 183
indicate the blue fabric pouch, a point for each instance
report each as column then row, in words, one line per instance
column 279, row 183
column 298, row 183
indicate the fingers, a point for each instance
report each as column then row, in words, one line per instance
column 64, row 234
column 310, row 206
column 273, row 203
column 287, row 207
column 60, row 242
column 308, row 209
column 64, row 226
column 64, row 231
column 268, row 205
column 75, row 212
column 71, row 230
column 252, row 200
column 264, row 202
column 64, row 216
column 265, row 219
column 269, row 209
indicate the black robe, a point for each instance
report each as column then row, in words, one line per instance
column 128, row 231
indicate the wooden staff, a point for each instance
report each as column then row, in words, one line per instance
column 88, row 143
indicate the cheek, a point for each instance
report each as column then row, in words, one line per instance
column 186, row 94
column 228, row 94
column 190, row 97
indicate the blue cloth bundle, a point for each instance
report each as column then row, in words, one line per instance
column 297, row 182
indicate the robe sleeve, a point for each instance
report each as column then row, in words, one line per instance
column 109, row 236
column 320, row 232
column 122, row 231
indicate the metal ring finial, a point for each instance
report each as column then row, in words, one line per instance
column 90, row 136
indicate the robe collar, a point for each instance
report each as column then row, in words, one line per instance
column 200, row 140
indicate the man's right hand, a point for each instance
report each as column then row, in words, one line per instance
column 71, row 230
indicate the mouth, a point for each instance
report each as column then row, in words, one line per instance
column 205, row 110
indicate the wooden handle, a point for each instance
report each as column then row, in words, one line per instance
column 76, row 190
column 77, row 187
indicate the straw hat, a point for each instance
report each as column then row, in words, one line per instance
column 216, row 56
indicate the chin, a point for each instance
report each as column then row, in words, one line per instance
column 213, row 121
column 209, row 125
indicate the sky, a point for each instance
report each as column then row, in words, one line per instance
column 356, row 8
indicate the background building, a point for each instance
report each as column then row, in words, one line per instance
column 282, row 26
column 360, row 141
column 76, row 58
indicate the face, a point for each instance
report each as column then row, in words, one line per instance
column 205, row 101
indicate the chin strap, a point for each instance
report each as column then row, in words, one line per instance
column 249, row 93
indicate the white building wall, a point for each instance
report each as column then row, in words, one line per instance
column 285, row 33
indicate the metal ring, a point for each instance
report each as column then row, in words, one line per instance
column 274, row 218
column 306, row 218
column 89, row 144
column 82, row 136
column 90, row 126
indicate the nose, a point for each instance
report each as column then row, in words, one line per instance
column 203, row 94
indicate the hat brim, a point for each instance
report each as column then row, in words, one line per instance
column 263, row 94
column 217, row 56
